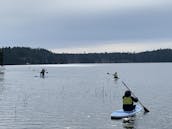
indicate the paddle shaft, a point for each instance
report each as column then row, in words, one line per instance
column 135, row 97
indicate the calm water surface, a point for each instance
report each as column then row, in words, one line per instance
column 83, row 96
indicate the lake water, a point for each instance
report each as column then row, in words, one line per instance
column 82, row 96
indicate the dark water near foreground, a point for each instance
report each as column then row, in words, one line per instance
column 83, row 96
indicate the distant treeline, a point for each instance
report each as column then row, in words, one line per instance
column 1, row 56
column 25, row 55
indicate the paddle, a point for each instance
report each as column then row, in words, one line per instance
column 145, row 109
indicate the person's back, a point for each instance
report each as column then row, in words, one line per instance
column 128, row 101
column 42, row 72
column 115, row 75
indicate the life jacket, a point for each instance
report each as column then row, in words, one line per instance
column 127, row 100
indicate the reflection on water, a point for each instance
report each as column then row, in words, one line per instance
column 2, row 72
column 2, row 77
column 129, row 123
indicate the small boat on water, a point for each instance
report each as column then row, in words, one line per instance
column 118, row 114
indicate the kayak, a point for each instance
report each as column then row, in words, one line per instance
column 118, row 114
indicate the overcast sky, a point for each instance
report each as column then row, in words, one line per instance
column 87, row 25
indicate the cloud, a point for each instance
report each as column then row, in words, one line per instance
column 20, row 8
column 61, row 23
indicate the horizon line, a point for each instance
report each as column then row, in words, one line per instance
column 84, row 52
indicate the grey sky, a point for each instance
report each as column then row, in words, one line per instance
column 64, row 25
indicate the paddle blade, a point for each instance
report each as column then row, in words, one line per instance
column 146, row 110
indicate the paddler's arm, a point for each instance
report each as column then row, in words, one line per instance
column 134, row 99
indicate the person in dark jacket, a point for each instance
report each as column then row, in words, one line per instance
column 42, row 73
column 115, row 75
column 128, row 101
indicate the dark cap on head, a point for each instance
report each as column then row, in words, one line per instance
column 127, row 93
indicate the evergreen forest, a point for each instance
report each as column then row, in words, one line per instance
column 26, row 55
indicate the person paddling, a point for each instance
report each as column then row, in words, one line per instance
column 42, row 73
column 115, row 75
column 128, row 101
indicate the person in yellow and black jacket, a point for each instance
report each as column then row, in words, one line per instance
column 128, row 101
